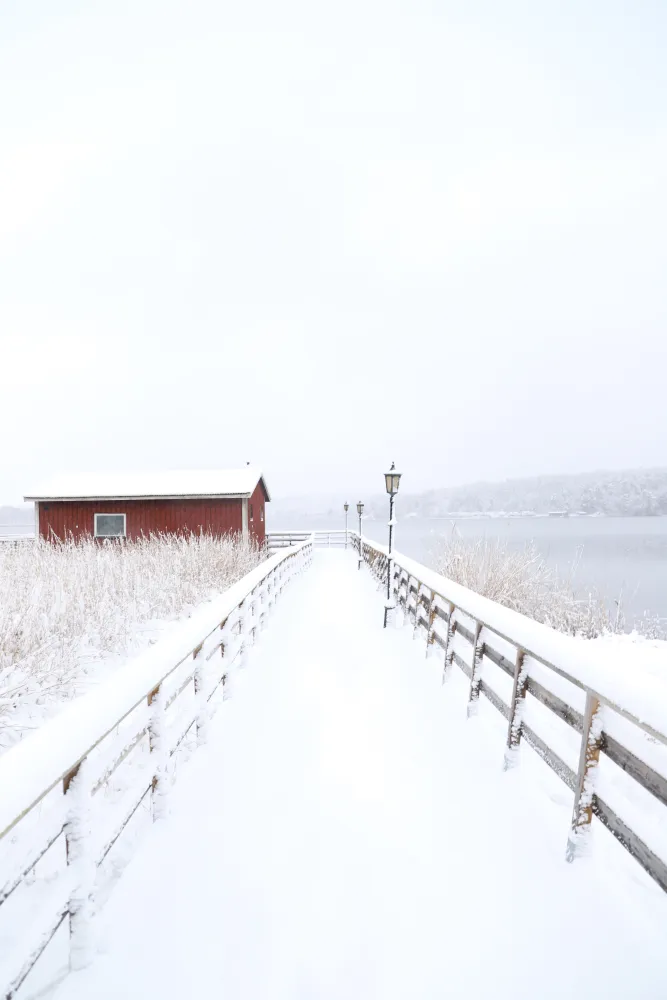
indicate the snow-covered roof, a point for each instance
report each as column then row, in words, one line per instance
column 149, row 485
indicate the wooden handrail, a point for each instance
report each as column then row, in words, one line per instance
column 479, row 624
column 48, row 779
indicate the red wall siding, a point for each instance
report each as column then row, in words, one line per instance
column 143, row 516
column 257, row 527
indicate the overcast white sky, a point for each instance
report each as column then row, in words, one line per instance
column 325, row 236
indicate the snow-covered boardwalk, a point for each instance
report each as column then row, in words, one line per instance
column 348, row 834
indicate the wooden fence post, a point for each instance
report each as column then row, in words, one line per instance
column 243, row 633
column 254, row 621
column 589, row 757
column 449, row 652
column 201, row 706
column 519, row 687
column 415, row 629
column 78, row 847
column 430, row 635
column 158, row 750
column 476, row 671
column 406, row 606
column 226, row 645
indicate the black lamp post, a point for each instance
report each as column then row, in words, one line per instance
column 346, row 507
column 360, row 510
column 391, row 479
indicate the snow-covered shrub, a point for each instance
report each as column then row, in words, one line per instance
column 521, row 580
column 68, row 608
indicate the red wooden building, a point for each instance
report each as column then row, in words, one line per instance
column 136, row 504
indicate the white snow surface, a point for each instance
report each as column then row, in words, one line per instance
column 347, row 833
column 175, row 483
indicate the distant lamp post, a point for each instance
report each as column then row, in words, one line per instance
column 360, row 510
column 346, row 507
column 391, row 479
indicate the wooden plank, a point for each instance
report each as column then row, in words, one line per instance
column 499, row 660
column 46, row 938
column 115, row 764
column 494, row 698
column 449, row 652
column 475, row 671
column 638, row 769
column 549, row 756
column 589, row 756
column 179, row 690
column 465, row 632
column 649, row 861
column 519, row 685
column 439, row 640
column 460, row 662
column 156, row 737
column 15, row 880
column 556, row 704
column 430, row 634
column 119, row 829
column 415, row 629
column 441, row 613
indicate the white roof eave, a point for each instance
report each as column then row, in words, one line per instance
column 230, row 484
column 143, row 496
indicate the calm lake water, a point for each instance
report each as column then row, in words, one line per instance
column 617, row 556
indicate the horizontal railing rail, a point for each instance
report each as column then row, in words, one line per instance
column 559, row 694
column 322, row 538
column 61, row 813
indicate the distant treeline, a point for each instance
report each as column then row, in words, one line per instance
column 17, row 515
column 625, row 494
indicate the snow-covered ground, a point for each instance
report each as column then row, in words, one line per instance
column 348, row 833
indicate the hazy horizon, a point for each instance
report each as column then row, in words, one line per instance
column 323, row 239
column 376, row 494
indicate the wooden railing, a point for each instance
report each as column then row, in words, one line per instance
column 603, row 734
column 336, row 538
column 69, row 791
column 17, row 533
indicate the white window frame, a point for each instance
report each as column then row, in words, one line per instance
column 111, row 513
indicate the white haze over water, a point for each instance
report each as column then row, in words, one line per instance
column 324, row 237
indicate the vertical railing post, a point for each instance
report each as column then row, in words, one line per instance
column 243, row 633
column 262, row 601
column 225, row 647
column 406, row 609
column 517, row 704
column 81, row 863
column 254, row 617
column 449, row 644
column 158, row 750
column 589, row 757
column 201, row 705
column 406, row 618
column 476, row 671
column 430, row 635
column 415, row 629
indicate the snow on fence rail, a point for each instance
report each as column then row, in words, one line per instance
column 63, row 801
column 601, row 725
column 336, row 538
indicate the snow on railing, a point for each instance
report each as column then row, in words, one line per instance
column 69, row 790
column 336, row 538
column 17, row 533
column 599, row 721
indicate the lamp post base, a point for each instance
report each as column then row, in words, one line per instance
column 389, row 611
